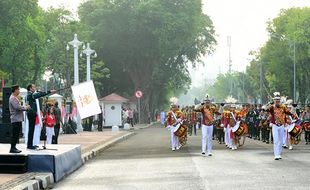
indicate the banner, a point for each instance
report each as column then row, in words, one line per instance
column 86, row 99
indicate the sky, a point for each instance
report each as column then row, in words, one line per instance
column 243, row 20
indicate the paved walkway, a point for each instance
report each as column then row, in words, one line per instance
column 87, row 140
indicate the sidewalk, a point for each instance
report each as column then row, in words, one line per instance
column 91, row 144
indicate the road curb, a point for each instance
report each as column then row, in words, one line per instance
column 95, row 151
column 40, row 181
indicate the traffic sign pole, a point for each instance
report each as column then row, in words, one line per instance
column 139, row 94
column 139, row 108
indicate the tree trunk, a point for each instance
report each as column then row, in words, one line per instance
column 142, row 81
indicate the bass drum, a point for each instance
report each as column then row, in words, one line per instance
column 180, row 130
column 240, row 128
column 294, row 130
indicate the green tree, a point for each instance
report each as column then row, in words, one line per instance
column 289, row 29
column 148, row 43
column 21, row 40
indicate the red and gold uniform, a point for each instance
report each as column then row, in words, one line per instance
column 173, row 118
column 192, row 121
column 207, row 111
column 278, row 114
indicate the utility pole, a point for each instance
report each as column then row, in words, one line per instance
column 261, row 82
column 294, row 72
column 229, row 63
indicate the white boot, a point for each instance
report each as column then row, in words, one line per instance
column 290, row 147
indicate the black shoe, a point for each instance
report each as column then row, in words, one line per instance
column 36, row 146
column 267, row 142
column 15, row 151
column 31, row 147
column 277, row 159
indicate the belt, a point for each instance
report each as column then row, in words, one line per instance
column 278, row 124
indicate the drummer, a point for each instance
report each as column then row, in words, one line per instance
column 306, row 118
column 173, row 118
column 288, row 122
column 207, row 111
column 278, row 113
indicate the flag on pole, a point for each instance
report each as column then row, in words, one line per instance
column 86, row 99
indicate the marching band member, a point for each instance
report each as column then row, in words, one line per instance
column 225, row 121
column 264, row 116
column 192, row 121
column 207, row 111
column 173, row 118
column 289, row 120
column 219, row 126
column 278, row 112
column 306, row 123
column 287, row 103
column 231, row 125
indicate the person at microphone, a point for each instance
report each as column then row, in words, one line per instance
column 31, row 97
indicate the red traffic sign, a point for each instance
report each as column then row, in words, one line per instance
column 139, row 94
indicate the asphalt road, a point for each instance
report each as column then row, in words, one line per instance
column 145, row 161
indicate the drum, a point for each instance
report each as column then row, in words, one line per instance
column 240, row 128
column 217, row 124
column 294, row 130
column 306, row 125
column 180, row 130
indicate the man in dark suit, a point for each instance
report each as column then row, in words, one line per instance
column 32, row 112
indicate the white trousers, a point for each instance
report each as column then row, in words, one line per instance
column 174, row 139
column 285, row 136
column 227, row 136
column 36, row 134
column 49, row 134
column 207, row 132
column 277, row 133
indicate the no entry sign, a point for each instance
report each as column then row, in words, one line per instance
column 139, row 94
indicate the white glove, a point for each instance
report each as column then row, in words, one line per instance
column 270, row 124
column 224, row 129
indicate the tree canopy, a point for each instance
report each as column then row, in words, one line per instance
column 147, row 44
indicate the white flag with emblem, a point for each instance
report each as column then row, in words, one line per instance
column 86, row 99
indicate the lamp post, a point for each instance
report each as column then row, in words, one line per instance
column 294, row 61
column 76, row 43
column 88, row 52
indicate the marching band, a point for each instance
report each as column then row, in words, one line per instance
column 279, row 122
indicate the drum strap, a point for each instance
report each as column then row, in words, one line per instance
column 175, row 117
